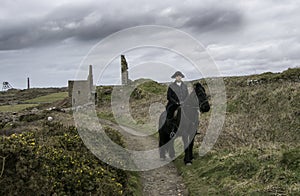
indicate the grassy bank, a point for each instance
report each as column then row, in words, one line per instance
column 244, row 171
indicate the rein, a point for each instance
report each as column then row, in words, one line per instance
column 203, row 103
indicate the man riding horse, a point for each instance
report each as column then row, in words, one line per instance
column 186, row 119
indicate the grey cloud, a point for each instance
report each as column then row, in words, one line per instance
column 83, row 23
column 41, row 31
column 96, row 22
column 215, row 19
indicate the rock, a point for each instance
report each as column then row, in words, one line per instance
column 34, row 110
column 50, row 118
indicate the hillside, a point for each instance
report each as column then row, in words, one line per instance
column 256, row 153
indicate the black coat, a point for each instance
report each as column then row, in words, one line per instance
column 176, row 94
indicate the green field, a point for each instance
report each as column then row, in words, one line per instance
column 34, row 102
column 16, row 108
column 49, row 98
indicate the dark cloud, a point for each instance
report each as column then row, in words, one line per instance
column 94, row 22
column 214, row 19
column 50, row 28
column 81, row 22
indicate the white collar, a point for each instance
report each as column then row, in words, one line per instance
column 179, row 83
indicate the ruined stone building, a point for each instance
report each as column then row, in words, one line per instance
column 82, row 91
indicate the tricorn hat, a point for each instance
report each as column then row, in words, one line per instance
column 177, row 73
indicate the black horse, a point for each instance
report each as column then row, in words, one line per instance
column 185, row 123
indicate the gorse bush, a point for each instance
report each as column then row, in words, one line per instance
column 32, row 117
column 55, row 161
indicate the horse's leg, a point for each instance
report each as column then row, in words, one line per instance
column 188, row 141
column 191, row 148
column 162, row 136
column 171, row 148
column 162, row 146
column 194, row 127
column 187, row 149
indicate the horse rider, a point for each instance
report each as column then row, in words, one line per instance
column 177, row 93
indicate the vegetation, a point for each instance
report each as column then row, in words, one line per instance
column 55, row 161
column 48, row 98
column 18, row 96
column 32, row 117
column 244, row 171
column 152, row 87
column 16, row 107
column 257, row 152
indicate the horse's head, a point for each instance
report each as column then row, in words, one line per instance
column 202, row 98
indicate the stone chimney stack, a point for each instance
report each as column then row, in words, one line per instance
column 124, row 70
column 28, row 83
column 90, row 77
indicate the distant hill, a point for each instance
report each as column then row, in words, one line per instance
column 14, row 96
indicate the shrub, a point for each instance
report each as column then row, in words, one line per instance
column 55, row 161
column 31, row 117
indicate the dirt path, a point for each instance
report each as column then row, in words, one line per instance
column 161, row 181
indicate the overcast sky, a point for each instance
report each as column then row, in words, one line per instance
column 47, row 40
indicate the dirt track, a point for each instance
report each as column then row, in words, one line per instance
column 161, row 181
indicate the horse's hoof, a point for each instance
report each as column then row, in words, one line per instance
column 162, row 159
column 188, row 164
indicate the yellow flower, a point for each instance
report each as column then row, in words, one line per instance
column 119, row 184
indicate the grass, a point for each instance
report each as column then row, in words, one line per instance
column 16, row 108
column 245, row 171
column 48, row 98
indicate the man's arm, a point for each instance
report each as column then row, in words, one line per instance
column 170, row 97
